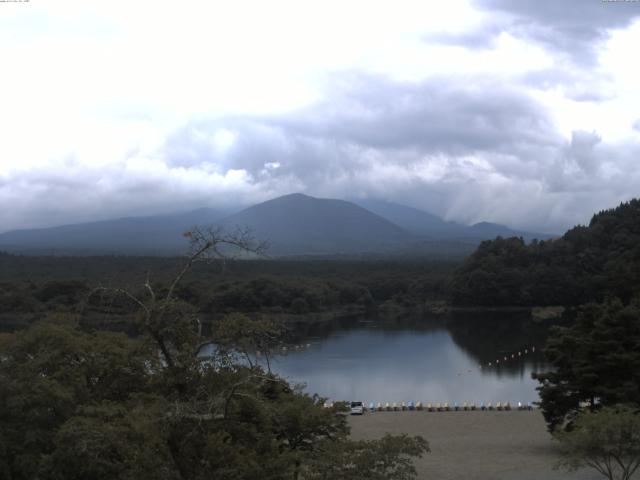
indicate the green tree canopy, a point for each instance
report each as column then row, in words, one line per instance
column 588, row 263
column 77, row 405
column 594, row 362
column 607, row 440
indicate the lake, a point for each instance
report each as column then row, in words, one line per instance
column 427, row 361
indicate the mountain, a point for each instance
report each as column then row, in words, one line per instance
column 431, row 226
column 294, row 224
column 298, row 224
column 413, row 220
column 160, row 234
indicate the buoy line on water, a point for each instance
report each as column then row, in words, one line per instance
column 441, row 407
column 508, row 357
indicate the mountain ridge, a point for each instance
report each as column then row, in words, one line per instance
column 300, row 224
column 424, row 223
column 294, row 224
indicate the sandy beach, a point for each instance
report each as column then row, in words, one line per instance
column 475, row 445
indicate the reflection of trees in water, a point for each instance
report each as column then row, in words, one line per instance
column 303, row 331
column 485, row 336
column 491, row 336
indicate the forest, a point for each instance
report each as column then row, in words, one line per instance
column 103, row 352
column 588, row 263
column 80, row 402
column 296, row 290
column 594, row 360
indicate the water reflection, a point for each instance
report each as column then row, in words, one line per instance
column 429, row 360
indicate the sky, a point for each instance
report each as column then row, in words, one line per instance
column 523, row 113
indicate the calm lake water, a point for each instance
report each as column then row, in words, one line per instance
column 441, row 362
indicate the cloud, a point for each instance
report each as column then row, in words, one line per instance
column 469, row 149
column 67, row 192
column 482, row 36
column 574, row 28
column 439, row 115
column 466, row 148
column 515, row 112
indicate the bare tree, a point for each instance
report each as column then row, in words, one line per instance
column 163, row 317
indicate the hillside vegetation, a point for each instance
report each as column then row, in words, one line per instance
column 589, row 263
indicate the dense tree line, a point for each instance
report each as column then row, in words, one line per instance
column 294, row 288
column 589, row 263
column 596, row 362
column 595, row 269
column 78, row 404
column 101, row 405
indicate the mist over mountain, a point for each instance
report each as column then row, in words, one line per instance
column 431, row 226
column 159, row 235
column 294, row 224
column 413, row 219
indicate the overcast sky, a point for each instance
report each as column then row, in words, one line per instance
column 522, row 112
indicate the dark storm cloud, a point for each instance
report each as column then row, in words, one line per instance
column 573, row 28
column 467, row 148
column 440, row 115
column 371, row 118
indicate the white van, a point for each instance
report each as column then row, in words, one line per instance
column 357, row 408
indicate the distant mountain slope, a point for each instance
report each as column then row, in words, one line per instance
column 294, row 224
column 413, row 220
column 161, row 234
column 298, row 224
column 423, row 223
